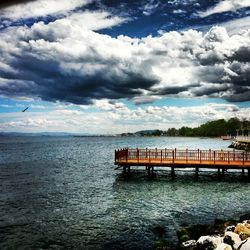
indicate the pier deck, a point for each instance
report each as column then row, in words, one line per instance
column 213, row 159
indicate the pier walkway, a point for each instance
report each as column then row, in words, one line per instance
column 174, row 158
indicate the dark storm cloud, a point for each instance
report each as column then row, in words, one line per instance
column 210, row 59
column 208, row 90
column 212, row 74
column 174, row 90
column 239, row 96
column 224, row 70
column 84, row 90
column 217, row 81
column 45, row 79
column 242, row 70
column 242, row 54
column 66, row 62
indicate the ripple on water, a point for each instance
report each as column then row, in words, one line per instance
column 55, row 195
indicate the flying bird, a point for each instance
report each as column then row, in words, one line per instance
column 25, row 109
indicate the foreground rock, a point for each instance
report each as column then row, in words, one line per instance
column 208, row 242
column 228, row 235
column 243, row 230
column 245, row 245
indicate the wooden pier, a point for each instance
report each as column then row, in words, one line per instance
column 174, row 158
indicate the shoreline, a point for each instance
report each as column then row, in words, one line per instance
column 230, row 234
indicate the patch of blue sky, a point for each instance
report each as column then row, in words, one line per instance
column 170, row 17
column 242, row 104
column 181, row 102
column 26, row 22
column 10, row 105
column 191, row 102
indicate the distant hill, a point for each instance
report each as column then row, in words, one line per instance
column 215, row 128
column 151, row 132
column 35, row 134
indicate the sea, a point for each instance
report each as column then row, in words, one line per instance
column 65, row 193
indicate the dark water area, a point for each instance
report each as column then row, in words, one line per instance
column 63, row 193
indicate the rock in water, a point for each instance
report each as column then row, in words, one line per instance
column 246, row 223
column 230, row 229
column 188, row 244
column 159, row 230
column 242, row 231
column 232, row 239
column 224, row 246
column 208, row 242
column 245, row 245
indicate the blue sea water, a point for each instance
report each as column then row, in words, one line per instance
column 64, row 193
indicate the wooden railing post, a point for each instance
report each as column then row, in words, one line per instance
column 126, row 151
column 173, row 155
column 228, row 157
column 146, row 153
column 137, row 154
column 243, row 158
column 214, row 157
column 149, row 155
column 200, row 156
column 161, row 155
column 186, row 155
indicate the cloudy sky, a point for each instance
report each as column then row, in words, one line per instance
column 108, row 66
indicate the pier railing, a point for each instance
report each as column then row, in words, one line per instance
column 174, row 156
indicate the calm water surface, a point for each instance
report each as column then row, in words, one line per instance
column 63, row 193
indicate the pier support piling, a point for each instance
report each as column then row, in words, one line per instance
column 196, row 173
column 243, row 172
column 150, row 170
column 173, row 172
column 219, row 172
column 126, row 171
column 223, row 173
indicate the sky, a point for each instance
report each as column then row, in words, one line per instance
column 109, row 66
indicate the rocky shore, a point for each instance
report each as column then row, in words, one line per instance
column 222, row 235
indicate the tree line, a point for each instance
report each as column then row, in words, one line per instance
column 215, row 128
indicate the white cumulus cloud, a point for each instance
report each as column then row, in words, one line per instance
column 118, row 118
column 225, row 6
column 67, row 61
column 40, row 8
